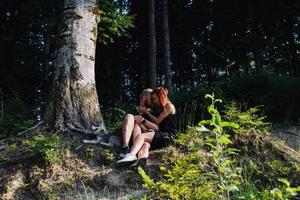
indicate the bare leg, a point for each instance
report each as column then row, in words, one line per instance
column 127, row 129
column 136, row 131
column 144, row 151
column 139, row 141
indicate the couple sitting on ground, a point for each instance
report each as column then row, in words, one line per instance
column 152, row 126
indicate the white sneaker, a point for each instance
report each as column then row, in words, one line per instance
column 128, row 160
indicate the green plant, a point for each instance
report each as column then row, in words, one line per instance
column 190, row 140
column 250, row 121
column 114, row 116
column 228, row 175
column 285, row 191
column 195, row 174
column 279, row 94
column 47, row 147
column 15, row 116
column 205, row 166
column 113, row 22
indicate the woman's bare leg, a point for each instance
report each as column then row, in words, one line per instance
column 144, row 151
column 127, row 129
column 136, row 131
column 139, row 141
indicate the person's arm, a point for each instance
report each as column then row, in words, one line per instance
column 150, row 125
column 170, row 109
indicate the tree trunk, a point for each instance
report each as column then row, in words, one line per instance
column 255, row 39
column 152, row 46
column 166, row 41
column 292, row 50
column 73, row 99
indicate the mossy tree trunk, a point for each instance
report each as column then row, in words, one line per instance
column 73, row 99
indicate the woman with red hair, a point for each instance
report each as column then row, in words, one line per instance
column 153, row 139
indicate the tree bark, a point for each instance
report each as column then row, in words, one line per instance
column 166, row 46
column 73, row 99
column 292, row 50
column 152, row 46
column 255, row 39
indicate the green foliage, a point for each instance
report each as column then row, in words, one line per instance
column 206, row 166
column 14, row 116
column 282, row 191
column 227, row 174
column 285, row 191
column 278, row 97
column 189, row 175
column 190, row 139
column 249, row 121
column 279, row 94
column 46, row 147
column 190, row 105
column 114, row 21
column 114, row 116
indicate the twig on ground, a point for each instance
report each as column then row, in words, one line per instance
column 32, row 128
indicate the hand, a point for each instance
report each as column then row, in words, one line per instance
column 142, row 109
column 138, row 119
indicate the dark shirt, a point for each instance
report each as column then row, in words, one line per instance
column 168, row 124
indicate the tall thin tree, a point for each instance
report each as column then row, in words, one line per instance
column 166, row 44
column 291, row 48
column 73, row 100
column 152, row 46
column 255, row 36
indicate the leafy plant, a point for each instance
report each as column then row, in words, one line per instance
column 249, row 121
column 285, row 191
column 15, row 116
column 114, row 116
column 114, row 21
column 190, row 176
column 228, row 175
column 46, row 147
column 205, row 166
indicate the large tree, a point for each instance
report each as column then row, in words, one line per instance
column 166, row 46
column 152, row 45
column 73, row 100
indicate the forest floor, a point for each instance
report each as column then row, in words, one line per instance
column 86, row 173
column 89, row 173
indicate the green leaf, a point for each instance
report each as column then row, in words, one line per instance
column 285, row 181
column 218, row 100
column 211, row 145
column 224, row 139
column 217, row 120
column 208, row 96
column 202, row 129
column 293, row 191
column 230, row 124
column 233, row 188
column 232, row 151
column 203, row 122
column 277, row 193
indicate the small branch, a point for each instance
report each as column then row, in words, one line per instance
column 32, row 128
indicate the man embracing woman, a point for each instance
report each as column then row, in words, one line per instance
column 153, row 127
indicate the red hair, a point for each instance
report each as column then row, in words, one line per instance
column 162, row 94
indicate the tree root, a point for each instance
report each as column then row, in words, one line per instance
column 81, row 130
